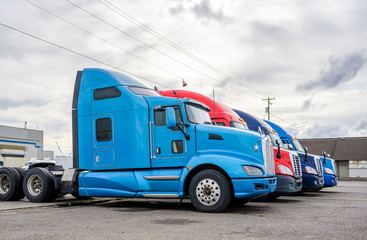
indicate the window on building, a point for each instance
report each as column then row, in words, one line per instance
column 358, row 164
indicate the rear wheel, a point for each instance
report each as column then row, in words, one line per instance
column 210, row 191
column 38, row 185
column 22, row 173
column 10, row 184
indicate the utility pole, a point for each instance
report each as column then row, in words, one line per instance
column 267, row 109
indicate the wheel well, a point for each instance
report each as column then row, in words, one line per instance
column 200, row 168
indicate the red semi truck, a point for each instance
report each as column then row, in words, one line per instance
column 287, row 163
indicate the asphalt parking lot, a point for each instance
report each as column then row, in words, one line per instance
column 333, row 213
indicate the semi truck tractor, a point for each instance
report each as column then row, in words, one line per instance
column 287, row 163
column 129, row 141
column 312, row 175
column 328, row 164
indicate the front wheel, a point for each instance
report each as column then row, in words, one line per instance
column 210, row 191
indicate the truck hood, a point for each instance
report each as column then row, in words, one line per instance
column 239, row 143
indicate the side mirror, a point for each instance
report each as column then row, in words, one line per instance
column 324, row 153
column 278, row 153
column 306, row 150
column 170, row 118
column 328, row 155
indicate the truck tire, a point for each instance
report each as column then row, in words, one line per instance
column 38, row 185
column 210, row 191
column 22, row 173
column 10, row 184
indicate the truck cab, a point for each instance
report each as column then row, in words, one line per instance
column 225, row 116
column 328, row 164
column 287, row 163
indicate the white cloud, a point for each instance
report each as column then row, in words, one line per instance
column 268, row 48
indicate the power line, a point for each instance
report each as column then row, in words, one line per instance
column 149, row 46
column 136, row 39
column 104, row 40
column 80, row 54
column 167, row 41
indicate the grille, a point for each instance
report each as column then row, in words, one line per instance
column 318, row 166
column 268, row 156
column 296, row 164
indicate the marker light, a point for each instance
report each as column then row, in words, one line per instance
column 252, row 171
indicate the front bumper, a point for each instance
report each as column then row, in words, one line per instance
column 288, row 185
column 330, row 180
column 253, row 187
column 312, row 182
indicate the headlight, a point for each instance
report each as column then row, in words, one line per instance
column 284, row 170
column 310, row 170
column 252, row 171
column 329, row 171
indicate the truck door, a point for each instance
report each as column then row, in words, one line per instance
column 169, row 146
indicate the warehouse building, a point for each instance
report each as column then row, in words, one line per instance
column 349, row 153
column 18, row 145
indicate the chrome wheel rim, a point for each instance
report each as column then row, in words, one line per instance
column 4, row 184
column 34, row 185
column 208, row 191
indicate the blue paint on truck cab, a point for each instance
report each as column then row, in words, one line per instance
column 328, row 165
column 125, row 145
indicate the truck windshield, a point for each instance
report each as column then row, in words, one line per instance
column 238, row 125
column 275, row 137
column 297, row 145
column 197, row 114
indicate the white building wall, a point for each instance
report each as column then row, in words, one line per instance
column 358, row 172
column 29, row 140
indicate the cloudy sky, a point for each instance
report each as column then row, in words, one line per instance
column 310, row 55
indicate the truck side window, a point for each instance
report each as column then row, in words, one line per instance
column 104, row 93
column 160, row 117
column 103, row 129
column 177, row 146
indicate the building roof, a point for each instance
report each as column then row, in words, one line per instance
column 344, row 148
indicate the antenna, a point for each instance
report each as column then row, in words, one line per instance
column 174, row 92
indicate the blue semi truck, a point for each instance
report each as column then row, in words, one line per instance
column 290, row 181
column 312, row 174
column 328, row 164
column 129, row 141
